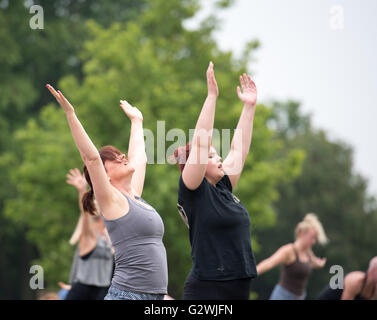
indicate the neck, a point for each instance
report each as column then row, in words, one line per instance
column 212, row 180
column 299, row 245
column 123, row 186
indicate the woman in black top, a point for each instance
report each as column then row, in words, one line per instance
column 223, row 262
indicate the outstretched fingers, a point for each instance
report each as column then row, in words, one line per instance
column 243, row 84
column 52, row 90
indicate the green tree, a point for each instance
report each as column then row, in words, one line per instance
column 157, row 65
column 29, row 59
column 327, row 186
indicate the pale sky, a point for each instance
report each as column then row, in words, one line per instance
column 306, row 57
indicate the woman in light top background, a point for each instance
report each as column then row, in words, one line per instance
column 92, row 266
column 297, row 260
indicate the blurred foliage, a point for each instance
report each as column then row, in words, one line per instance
column 327, row 186
column 157, row 65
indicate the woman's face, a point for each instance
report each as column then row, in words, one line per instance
column 309, row 237
column 214, row 167
column 119, row 168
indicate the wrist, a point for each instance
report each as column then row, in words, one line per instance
column 70, row 113
column 250, row 105
column 211, row 96
column 136, row 120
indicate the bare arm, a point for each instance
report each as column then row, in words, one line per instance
column 103, row 191
column 352, row 285
column 136, row 147
column 281, row 256
column 235, row 161
column 196, row 164
column 88, row 239
column 317, row 262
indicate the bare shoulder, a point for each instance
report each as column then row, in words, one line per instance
column 117, row 207
column 288, row 253
column 354, row 279
column 353, row 283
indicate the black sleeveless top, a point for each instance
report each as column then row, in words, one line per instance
column 328, row 293
column 219, row 227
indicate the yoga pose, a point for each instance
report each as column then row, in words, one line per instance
column 297, row 259
column 223, row 262
column 135, row 228
column 357, row 285
column 92, row 267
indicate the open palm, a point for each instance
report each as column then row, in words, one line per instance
column 64, row 103
column 248, row 95
column 131, row 112
column 76, row 179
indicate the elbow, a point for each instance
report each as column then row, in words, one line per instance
column 89, row 160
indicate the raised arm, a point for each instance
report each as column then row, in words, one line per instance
column 88, row 239
column 196, row 164
column 234, row 162
column 136, row 147
column 103, row 190
column 281, row 256
column 353, row 283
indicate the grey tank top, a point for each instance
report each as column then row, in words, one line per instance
column 97, row 269
column 140, row 255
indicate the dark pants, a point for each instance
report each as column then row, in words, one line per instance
column 81, row 291
column 195, row 289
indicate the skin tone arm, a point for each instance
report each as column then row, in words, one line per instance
column 352, row 285
column 112, row 203
column 136, row 147
column 88, row 239
column 317, row 263
column 234, row 162
column 281, row 256
column 195, row 168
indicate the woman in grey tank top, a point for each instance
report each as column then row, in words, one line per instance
column 92, row 266
column 135, row 228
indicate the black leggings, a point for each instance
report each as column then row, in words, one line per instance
column 81, row 291
column 195, row 289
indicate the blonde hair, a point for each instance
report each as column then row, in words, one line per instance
column 77, row 233
column 312, row 222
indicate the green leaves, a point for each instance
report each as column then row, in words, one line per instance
column 158, row 66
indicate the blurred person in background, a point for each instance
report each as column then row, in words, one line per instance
column 357, row 285
column 297, row 260
column 92, row 266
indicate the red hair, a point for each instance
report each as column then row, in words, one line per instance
column 181, row 155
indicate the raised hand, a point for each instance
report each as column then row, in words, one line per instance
column 321, row 262
column 76, row 179
column 64, row 103
column 248, row 95
column 132, row 113
column 213, row 90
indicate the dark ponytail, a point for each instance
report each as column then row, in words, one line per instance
column 107, row 153
column 88, row 199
